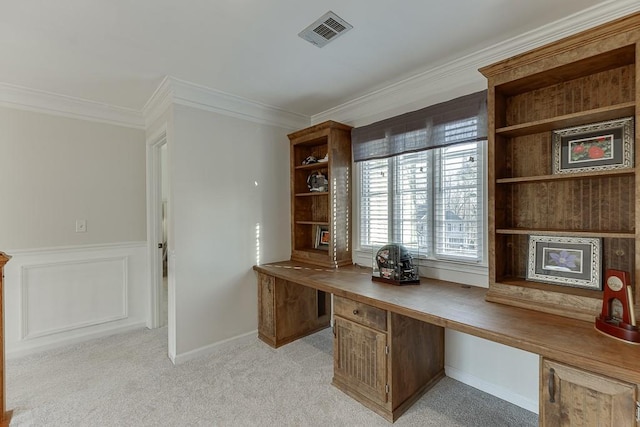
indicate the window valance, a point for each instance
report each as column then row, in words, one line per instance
column 456, row 121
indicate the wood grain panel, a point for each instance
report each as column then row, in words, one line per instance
column 360, row 359
column 598, row 90
column 416, row 359
column 604, row 204
column 288, row 311
column 528, row 155
column 573, row 397
column 362, row 313
column 266, row 307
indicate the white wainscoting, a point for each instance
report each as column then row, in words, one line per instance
column 60, row 296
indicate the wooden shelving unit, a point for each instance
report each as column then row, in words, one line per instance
column 316, row 211
column 309, row 310
column 584, row 79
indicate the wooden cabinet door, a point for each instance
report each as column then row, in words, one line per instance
column 266, row 306
column 360, row 360
column 573, row 397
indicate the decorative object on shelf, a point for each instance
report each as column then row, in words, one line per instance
column 594, row 147
column 567, row 261
column 394, row 264
column 322, row 237
column 325, row 159
column 317, row 182
column 309, row 160
column 618, row 317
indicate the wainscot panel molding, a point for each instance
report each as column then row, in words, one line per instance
column 23, row 98
column 458, row 77
column 60, row 296
column 176, row 91
column 63, row 296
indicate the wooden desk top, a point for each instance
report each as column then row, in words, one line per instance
column 463, row 308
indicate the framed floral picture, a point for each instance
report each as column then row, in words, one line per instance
column 594, row 147
column 567, row 261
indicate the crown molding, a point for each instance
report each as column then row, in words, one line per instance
column 170, row 91
column 158, row 102
column 460, row 76
column 39, row 101
column 175, row 91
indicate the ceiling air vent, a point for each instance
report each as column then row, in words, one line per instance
column 325, row 29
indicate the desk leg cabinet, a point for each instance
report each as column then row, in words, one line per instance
column 288, row 311
column 573, row 397
column 384, row 360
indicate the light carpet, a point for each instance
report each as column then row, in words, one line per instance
column 127, row 380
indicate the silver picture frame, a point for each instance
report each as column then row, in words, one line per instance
column 566, row 261
column 594, row 147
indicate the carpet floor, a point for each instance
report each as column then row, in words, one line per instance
column 127, row 380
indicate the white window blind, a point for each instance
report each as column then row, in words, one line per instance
column 411, row 201
column 458, row 209
column 374, row 201
column 430, row 201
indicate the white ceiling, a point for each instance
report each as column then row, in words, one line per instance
column 117, row 52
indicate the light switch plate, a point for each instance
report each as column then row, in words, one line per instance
column 81, row 225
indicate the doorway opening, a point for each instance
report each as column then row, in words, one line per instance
column 158, row 230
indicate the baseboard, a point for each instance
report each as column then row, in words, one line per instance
column 208, row 349
column 32, row 347
column 493, row 389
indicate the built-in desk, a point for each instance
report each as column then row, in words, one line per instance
column 608, row 366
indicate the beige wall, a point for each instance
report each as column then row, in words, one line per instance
column 228, row 177
column 55, row 170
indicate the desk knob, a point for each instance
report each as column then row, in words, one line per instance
column 355, row 312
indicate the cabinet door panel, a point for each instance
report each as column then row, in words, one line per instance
column 573, row 397
column 360, row 359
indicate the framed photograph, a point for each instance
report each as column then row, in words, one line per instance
column 322, row 237
column 567, row 261
column 594, row 147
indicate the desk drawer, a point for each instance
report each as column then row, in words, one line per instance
column 361, row 313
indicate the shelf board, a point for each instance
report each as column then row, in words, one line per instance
column 318, row 251
column 319, row 165
column 312, row 193
column 517, row 281
column 325, row 223
column 575, row 119
column 572, row 233
column 555, row 177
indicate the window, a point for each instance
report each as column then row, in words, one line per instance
column 429, row 201
column 420, row 177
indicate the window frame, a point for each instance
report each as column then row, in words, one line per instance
column 363, row 254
